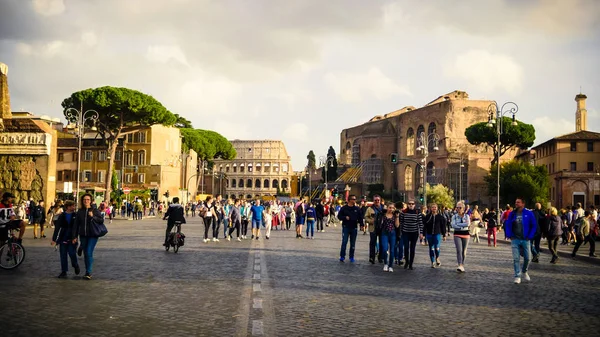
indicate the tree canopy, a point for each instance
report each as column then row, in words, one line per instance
column 312, row 162
column 521, row 135
column 331, row 169
column 208, row 144
column 440, row 195
column 520, row 179
column 120, row 111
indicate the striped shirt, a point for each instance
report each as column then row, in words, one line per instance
column 411, row 222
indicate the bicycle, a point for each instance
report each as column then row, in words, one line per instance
column 176, row 238
column 12, row 254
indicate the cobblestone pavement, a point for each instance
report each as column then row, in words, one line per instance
column 289, row 287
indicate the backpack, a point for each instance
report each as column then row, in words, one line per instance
column 38, row 212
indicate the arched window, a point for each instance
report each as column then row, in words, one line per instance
column 430, row 173
column 266, row 183
column 233, row 183
column 420, row 131
column 408, row 178
column 249, row 183
column 249, row 196
column 430, row 131
column 242, row 197
column 257, row 183
column 355, row 153
column 348, row 153
column 410, row 142
column 241, row 184
column 141, row 157
column 418, row 177
column 284, row 183
column 275, row 183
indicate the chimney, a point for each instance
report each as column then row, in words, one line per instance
column 4, row 95
column 581, row 113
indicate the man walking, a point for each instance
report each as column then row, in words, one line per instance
column 320, row 209
column 350, row 216
column 373, row 218
column 520, row 228
column 540, row 219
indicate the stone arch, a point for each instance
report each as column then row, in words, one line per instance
column 266, row 183
column 275, row 183
column 257, row 183
column 233, row 183
column 410, row 142
column 284, row 183
column 249, row 183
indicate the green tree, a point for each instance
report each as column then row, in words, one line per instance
column 520, row 179
column 440, row 195
column 331, row 169
column 182, row 122
column 114, row 184
column 121, row 111
column 521, row 135
column 208, row 144
column 312, row 162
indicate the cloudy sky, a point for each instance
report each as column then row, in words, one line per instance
column 302, row 70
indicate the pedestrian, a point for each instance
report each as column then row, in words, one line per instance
column 363, row 208
column 300, row 211
column 399, row 253
column 475, row 220
column 267, row 221
column 435, row 231
column 320, row 210
column 520, row 228
column 173, row 214
column 350, row 216
column 540, row 219
column 84, row 219
column 503, row 218
column 226, row 209
column 54, row 212
column 64, row 229
column 8, row 219
column 311, row 218
column 411, row 224
column 288, row 215
column 372, row 219
column 389, row 223
column 257, row 213
column 491, row 220
column 461, row 222
column 235, row 219
column 39, row 218
column 555, row 232
column 208, row 216
column 245, row 214
column 585, row 235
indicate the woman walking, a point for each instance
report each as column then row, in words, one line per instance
column 475, row 220
column 39, row 218
column 311, row 217
column 411, row 222
column 585, row 235
column 235, row 219
column 435, row 232
column 460, row 224
column 54, row 213
column 268, row 221
column 491, row 220
column 84, row 219
column 555, row 232
column 389, row 225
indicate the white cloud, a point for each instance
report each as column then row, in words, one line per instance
column 547, row 128
column 89, row 38
column 231, row 129
column 24, row 48
column 166, row 53
column 486, row 71
column 207, row 96
column 297, row 132
column 49, row 7
column 53, row 48
column 355, row 87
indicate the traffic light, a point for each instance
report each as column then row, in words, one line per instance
column 421, row 198
column 394, row 158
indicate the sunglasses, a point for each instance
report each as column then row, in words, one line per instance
column 411, row 203
column 353, row 199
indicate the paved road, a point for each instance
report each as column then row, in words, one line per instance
column 289, row 287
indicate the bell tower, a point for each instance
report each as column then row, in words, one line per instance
column 581, row 113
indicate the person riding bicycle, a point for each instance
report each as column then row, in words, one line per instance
column 175, row 213
column 8, row 217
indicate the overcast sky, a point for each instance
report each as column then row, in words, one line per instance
column 303, row 70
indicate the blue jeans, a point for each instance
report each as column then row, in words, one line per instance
column 352, row 232
column 68, row 250
column 88, row 244
column 434, row 245
column 310, row 225
column 388, row 240
column 225, row 227
column 535, row 245
column 399, row 254
column 519, row 246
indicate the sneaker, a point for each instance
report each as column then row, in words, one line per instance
column 206, row 240
column 87, row 276
column 405, row 265
column 460, row 269
column 535, row 259
column 239, row 239
column 217, row 240
column 593, row 255
column 391, row 270
column 62, row 275
column 252, row 238
column 79, row 251
column 517, row 280
column 312, row 237
column 342, row 259
column 432, row 264
column 438, row 262
column 77, row 270
column 352, row 260
column 300, row 237
column 386, row 268
column 323, row 231
column 229, row 238
column 526, row 277
column 267, row 237
column 372, row 261
column 257, row 237
column 410, row 268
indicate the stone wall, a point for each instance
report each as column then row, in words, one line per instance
column 21, row 176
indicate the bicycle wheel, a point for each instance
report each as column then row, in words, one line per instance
column 11, row 255
column 176, row 243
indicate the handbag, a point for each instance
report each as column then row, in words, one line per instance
column 98, row 229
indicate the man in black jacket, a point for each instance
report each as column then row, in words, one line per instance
column 540, row 218
column 174, row 214
column 320, row 210
column 350, row 215
column 64, row 228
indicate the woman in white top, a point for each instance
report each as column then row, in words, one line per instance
column 268, row 221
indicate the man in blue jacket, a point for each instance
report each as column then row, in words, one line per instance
column 520, row 228
column 350, row 215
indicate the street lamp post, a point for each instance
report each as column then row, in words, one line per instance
column 325, row 160
column 495, row 116
column 77, row 119
column 432, row 138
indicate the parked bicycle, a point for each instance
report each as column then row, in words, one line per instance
column 176, row 238
column 12, row 254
